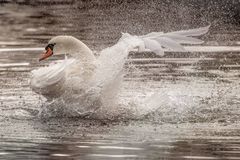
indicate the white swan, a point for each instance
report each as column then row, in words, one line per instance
column 83, row 78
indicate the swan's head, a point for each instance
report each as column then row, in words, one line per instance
column 64, row 45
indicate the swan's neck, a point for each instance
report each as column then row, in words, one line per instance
column 82, row 53
column 85, row 64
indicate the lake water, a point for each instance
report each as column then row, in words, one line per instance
column 198, row 115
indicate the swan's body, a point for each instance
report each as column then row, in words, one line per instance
column 82, row 75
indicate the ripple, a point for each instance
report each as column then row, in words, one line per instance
column 114, row 156
column 230, row 152
column 20, row 49
column 162, row 146
column 198, row 157
column 119, row 147
column 213, row 48
column 60, row 155
column 14, row 64
column 100, row 143
column 13, row 43
column 84, row 146
column 232, row 158
column 4, row 153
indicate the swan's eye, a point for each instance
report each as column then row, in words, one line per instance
column 51, row 45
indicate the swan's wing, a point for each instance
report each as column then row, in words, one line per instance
column 110, row 64
column 192, row 32
column 173, row 40
column 112, row 59
column 52, row 74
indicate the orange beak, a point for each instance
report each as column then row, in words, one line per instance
column 47, row 54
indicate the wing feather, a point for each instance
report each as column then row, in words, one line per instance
column 170, row 44
column 192, row 32
column 183, row 39
column 154, row 46
column 173, row 40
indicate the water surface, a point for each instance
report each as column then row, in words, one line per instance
column 198, row 117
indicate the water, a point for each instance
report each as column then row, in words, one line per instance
column 198, row 116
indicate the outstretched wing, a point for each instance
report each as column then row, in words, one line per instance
column 173, row 41
column 108, row 73
column 112, row 59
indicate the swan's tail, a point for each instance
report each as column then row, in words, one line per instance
column 158, row 42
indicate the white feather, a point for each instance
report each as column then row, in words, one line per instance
column 154, row 46
column 192, row 32
column 46, row 76
column 172, row 40
column 152, row 34
column 183, row 39
column 170, row 44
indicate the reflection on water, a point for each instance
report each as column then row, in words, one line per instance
column 198, row 119
column 83, row 140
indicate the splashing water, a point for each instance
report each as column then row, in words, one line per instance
column 96, row 98
column 99, row 97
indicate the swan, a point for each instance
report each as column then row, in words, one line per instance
column 89, row 82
